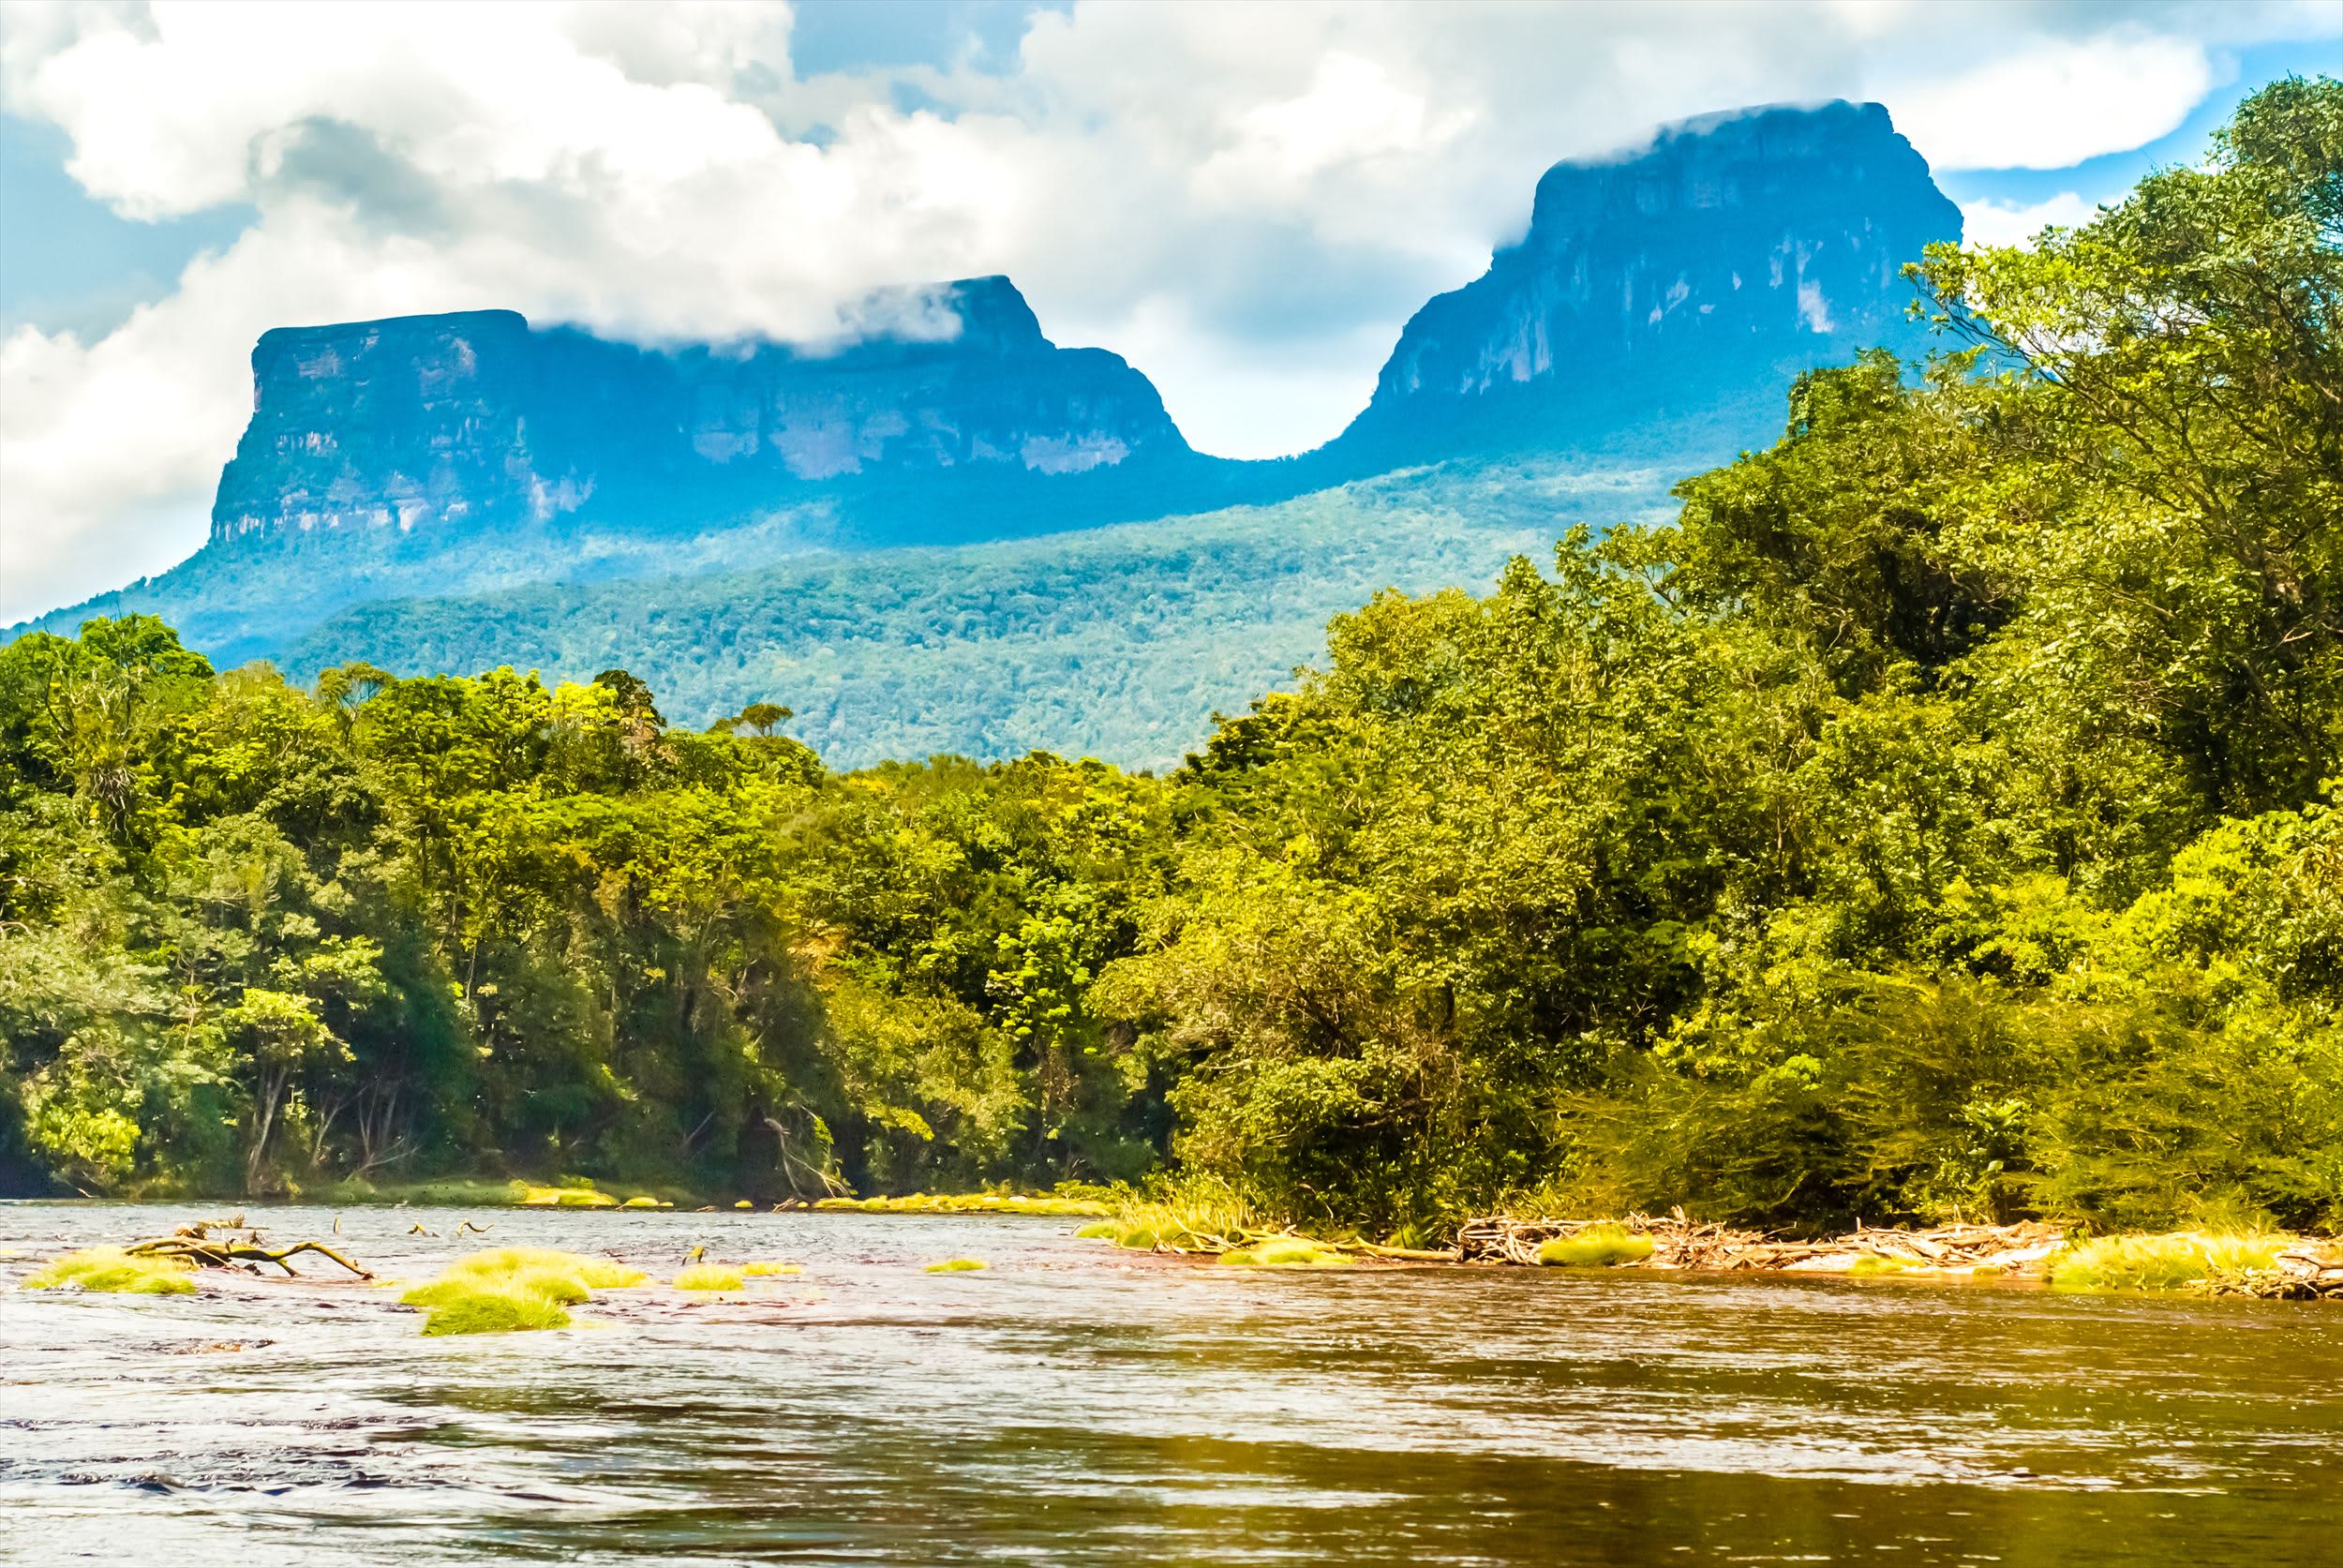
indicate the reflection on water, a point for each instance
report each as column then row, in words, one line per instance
column 1076, row 1405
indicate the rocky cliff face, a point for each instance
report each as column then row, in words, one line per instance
column 1670, row 294
column 1650, row 317
column 425, row 422
column 1736, row 250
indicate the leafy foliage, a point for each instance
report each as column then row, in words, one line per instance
column 256, row 937
column 1933, row 820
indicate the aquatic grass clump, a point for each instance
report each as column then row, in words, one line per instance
column 2181, row 1260
column 497, row 1306
column 1197, row 1215
column 956, row 1266
column 766, row 1270
column 1097, row 1230
column 708, row 1276
column 563, row 1198
column 111, row 1270
column 969, row 1202
column 510, row 1288
column 594, row 1273
column 1285, row 1252
column 1597, row 1247
column 641, row 1201
column 1872, row 1264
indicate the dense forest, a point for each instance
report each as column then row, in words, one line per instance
column 1116, row 642
column 1933, row 819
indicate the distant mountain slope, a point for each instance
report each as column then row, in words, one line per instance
column 1116, row 642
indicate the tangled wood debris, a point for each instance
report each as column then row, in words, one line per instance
column 1682, row 1242
column 195, row 1246
column 2306, row 1273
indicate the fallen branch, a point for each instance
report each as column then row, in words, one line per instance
column 206, row 1253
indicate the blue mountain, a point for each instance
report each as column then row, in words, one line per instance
column 1645, row 324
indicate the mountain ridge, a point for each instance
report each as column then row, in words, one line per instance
column 1650, row 316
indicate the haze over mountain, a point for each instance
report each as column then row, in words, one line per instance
column 1646, row 325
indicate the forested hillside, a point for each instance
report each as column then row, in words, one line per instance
column 1934, row 818
column 1116, row 642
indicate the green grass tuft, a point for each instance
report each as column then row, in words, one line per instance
column 970, row 1202
column 2170, row 1262
column 1596, row 1246
column 508, row 1289
column 594, row 1273
column 1097, row 1229
column 1198, row 1215
column 763, row 1270
column 113, row 1271
column 563, row 1198
column 708, row 1276
column 1285, row 1252
column 501, row 1306
column 956, row 1266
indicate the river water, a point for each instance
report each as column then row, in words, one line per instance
column 1077, row 1405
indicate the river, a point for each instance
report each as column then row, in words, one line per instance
column 1076, row 1405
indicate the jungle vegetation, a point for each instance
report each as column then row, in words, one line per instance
column 1934, row 818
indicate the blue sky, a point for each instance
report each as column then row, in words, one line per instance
column 1245, row 201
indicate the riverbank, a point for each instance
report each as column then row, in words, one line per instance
column 1210, row 1223
column 2259, row 1263
column 1067, row 1201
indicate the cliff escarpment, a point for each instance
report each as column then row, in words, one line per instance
column 1694, row 277
column 477, row 419
column 1648, row 319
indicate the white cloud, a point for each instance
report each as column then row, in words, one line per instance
column 2013, row 223
column 2058, row 104
column 1246, row 201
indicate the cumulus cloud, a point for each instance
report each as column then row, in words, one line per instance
column 2058, row 105
column 2015, row 223
column 1245, row 201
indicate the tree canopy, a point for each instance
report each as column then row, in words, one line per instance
column 1933, row 819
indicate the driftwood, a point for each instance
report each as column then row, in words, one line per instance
column 193, row 1245
column 2305, row 1273
column 1679, row 1243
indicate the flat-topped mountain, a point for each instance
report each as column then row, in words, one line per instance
column 544, row 496
column 1736, row 250
column 477, row 419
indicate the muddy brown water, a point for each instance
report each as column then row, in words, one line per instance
column 1075, row 1405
